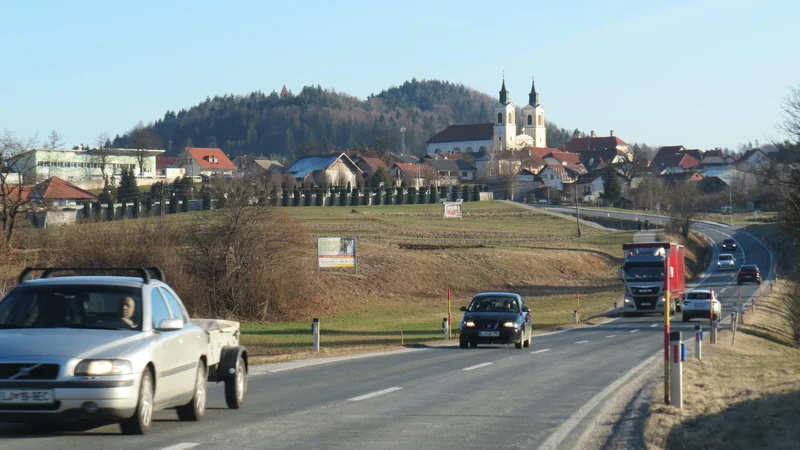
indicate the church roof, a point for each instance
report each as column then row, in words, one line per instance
column 459, row 133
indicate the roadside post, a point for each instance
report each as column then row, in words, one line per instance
column 733, row 328
column 677, row 370
column 449, row 314
column 315, row 334
column 667, row 300
column 698, row 342
column 575, row 315
column 446, row 328
column 578, row 310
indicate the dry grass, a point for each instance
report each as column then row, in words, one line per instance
column 745, row 396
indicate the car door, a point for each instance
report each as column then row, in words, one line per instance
column 191, row 344
column 166, row 344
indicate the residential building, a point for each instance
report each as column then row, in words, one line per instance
column 55, row 192
column 416, row 175
column 499, row 134
column 610, row 149
column 204, row 162
column 329, row 170
column 675, row 159
column 369, row 165
column 557, row 175
column 753, row 159
column 453, row 171
column 591, row 186
column 85, row 168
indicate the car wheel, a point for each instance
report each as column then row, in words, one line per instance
column 142, row 419
column 527, row 342
column 463, row 343
column 473, row 344
column 196, row 408
column 685, row 319
column 236, row 386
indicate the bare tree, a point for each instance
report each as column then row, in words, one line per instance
column 632, row 169
column 683, row 203
column 101, row 156
column 510, row 180
column 53, row 141
column 791, row 114
column 143, row 139
column 16, row 180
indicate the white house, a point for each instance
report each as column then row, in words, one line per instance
column 204, row 162
column 556, row 176
column 753, row 159
column 337, row 170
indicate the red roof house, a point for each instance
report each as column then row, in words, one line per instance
column 204, row 162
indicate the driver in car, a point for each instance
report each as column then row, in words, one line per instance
column 127, row 307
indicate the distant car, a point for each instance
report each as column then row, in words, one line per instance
column 699, row 304
column 496, row 318
column 726, row 262
column 730, row 245
column 749, row 273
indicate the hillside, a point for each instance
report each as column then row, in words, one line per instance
column 319, row 120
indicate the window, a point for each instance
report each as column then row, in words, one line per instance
column 530, row 119
column 510, row 119
column 457, row 150
column 482, row 149
column 469, row 150
column 174, row 305
column 158, row 308
column 541, row 121
column 464, row 174
column 499, row 117
column 551, row 176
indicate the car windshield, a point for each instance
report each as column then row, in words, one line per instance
column 493, row 304
column 749, row 268
column 81, row 306
column 728, row 241
column 725, row 257
column 698, row 296
column 644, row 273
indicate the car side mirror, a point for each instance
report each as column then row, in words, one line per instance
column 170, row 325
column 463, row 308
column 525, row 309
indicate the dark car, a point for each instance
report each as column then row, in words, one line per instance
column 730, row 245
column 496, row 318
column 749, row 273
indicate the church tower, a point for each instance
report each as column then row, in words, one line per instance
column 505, row 122
column 533, row 116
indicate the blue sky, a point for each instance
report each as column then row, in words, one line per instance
column 700, row 74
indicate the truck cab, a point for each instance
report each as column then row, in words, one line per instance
column 643, row 275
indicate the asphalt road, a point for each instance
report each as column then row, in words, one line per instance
column 430, row 398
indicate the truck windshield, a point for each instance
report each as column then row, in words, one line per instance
column 72, row 306
column 644, row 273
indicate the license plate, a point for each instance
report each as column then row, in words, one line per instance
column 26, row 397
column 489, row 333
column 645, row 304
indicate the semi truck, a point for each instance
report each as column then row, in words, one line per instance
column 646, row 264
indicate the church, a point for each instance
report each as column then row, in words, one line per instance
column 502, row 134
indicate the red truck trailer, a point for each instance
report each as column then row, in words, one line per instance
column 643, row 273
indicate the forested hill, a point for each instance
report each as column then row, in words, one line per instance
column 319, row 121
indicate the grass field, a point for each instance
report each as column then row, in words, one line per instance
column 742, row 396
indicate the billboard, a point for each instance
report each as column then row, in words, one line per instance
column 336, row 252
column 452, row 210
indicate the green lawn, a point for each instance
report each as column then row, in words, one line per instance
column 419, row 319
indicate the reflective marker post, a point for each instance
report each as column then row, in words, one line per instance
column 446, row 328
column 698, row 342
column 315, row 334
column 666, row 328
column 677, row 369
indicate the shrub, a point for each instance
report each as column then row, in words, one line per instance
column 123, row 209
column 307, row 197
column 87, row 211
column 111, row 210
column 412, row 195
column 136, row 207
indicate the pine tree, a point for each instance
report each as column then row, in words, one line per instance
column 612, row 189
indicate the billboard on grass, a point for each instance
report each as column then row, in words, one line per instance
column 452, row 210
column 336, row 252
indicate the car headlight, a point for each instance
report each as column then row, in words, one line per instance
column 661, row 299
column 469, row 324
column 510, row 325
column 97, row 367
column 628, row 300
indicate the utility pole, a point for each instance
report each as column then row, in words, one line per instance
column 730, row 201
column 403, row 140
column 577, row 209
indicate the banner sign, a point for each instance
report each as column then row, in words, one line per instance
column 336, row 252
column 452, row 210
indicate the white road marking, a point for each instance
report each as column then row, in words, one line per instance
column 478, row 366
column 611, row 336
column 540, row 351
column 181, row 446
column 373, row 394
column 653, row 325
column 567, row 427
column 633, row 331
column 581, row 342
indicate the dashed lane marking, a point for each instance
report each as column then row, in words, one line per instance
column 181, row 446
column 540, row 351
column 581, row 342
column 633, row 331
column 373, row 394
column 478, row 366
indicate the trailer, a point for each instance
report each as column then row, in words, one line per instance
column 227, row 359
column 646, row 264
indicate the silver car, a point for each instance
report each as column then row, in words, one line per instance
column 103, row 348
column 726, row 262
